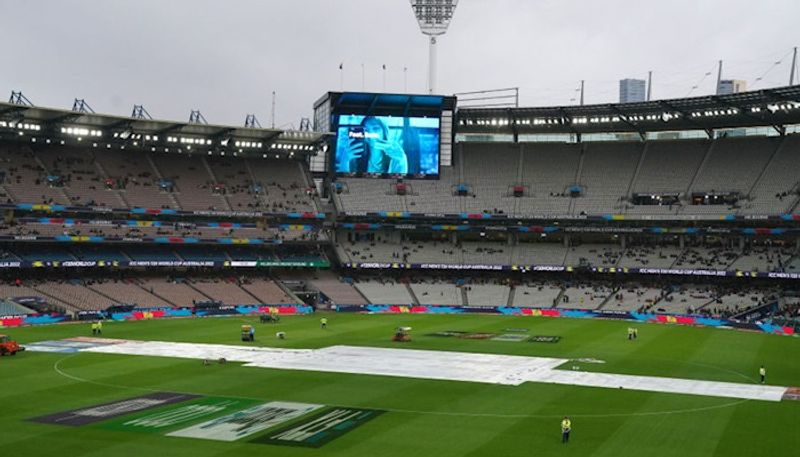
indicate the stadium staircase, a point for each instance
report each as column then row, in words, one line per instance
column 308, row 181
column 261, row 197
column 190, row 284
column 577, row 177
column 621, row 256
column 462, row 204
column 414, row 298
column 213, row 177
column 608, row 299
column 518, row 180
column 697, row 172
column 10, row 308
column 512, row 291
column 636, row 173
column 753, row 309
column 6, row 191
column 792, row 258
column 102, row 294
column 729, row 265
column 287, row 291
column 116, row 192
column 558, row 298
column 153, row 293
column 793, row 209
column 464, row 296
column 763, row 171
column 704, row 305
column 160, row 176
column 55, row 300
column 256, row 299
column 677, row 258
column 60, row 190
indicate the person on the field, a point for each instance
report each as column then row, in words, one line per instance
column 763, row 373
column 566, row 427
column 94, row 328
column 99, row 327
column 323, row 323
column 635, row 333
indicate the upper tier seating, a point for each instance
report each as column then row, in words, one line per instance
column 605, row 173
column 97, row 176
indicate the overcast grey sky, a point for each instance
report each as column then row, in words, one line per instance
column 226, row 57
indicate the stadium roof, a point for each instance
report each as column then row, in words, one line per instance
column 53, row 123
column 767, row 107
column 371, row 103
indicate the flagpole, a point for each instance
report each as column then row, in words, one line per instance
column 405, row 80
column 341, row 77
column 384, row 77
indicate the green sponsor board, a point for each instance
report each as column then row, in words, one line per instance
column 178, row 415
column 320, row 428
column 293, row 263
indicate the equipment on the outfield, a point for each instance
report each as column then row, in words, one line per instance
column 248, row 333
column 269, row 318
column 402, row 334
column 9, row 346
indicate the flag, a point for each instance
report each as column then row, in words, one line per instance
column 341, row 65
column 384, row 66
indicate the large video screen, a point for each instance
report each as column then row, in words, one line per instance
column 381, row 146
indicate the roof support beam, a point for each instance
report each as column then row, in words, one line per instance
column 512, row 119
column 742, row 111
column 688, row 118
column 624, row 117
column 569, row 125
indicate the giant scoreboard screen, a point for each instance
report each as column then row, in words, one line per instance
column 389, row 135
column 387, row 145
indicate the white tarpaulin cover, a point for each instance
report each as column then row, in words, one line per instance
column 442, row 365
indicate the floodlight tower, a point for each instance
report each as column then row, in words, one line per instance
column 433, row 17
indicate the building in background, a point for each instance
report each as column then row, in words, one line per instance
column 731, row 86
column 632, row 90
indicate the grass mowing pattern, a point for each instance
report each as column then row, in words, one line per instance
column 423, row 417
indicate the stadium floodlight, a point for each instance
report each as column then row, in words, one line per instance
column 434, row 17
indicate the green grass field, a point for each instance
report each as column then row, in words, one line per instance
column 422, row 417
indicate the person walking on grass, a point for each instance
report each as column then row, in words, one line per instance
column 566, row 427
column 763, row 373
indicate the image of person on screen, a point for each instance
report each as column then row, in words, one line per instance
column 411, row 146
column 370, row 149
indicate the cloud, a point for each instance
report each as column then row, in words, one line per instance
column 226, row 58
